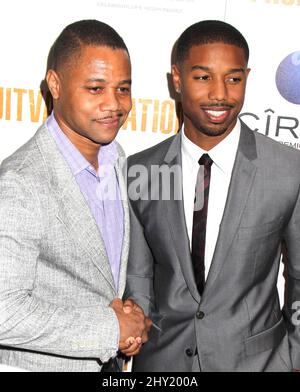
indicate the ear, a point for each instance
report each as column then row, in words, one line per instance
column 53, row 83
column 176, row 78
column 247, row 72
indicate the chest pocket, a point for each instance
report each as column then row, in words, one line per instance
column 260, row 232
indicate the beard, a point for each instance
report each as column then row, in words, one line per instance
column 210, row 131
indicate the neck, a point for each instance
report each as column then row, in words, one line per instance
column 88, row 148
column 203, row 141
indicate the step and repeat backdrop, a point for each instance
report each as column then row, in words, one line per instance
column 150, row 27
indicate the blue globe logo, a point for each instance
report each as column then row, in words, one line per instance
column 288, row 78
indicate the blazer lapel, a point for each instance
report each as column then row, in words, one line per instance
column 176, row 222
column 73, row 210
column 242, row 179
column 75, row 214
column 121, row 170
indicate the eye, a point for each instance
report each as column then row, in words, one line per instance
column 234, row 80
column 95, row 90
column 201, row 77
column 124, row 90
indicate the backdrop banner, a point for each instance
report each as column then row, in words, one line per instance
column 150, row 28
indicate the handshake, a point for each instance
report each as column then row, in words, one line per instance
column 134, row 326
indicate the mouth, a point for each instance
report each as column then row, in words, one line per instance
column 109, row 122
column 217, row 115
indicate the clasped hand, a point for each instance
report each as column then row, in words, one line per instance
column 134, row 326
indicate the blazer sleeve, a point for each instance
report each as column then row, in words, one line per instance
column 27, row 321
column 139, row 285
column 292, row 292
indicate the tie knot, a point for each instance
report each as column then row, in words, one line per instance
column 205, row 160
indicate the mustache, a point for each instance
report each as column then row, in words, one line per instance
column 224, row 105
column 110, row 116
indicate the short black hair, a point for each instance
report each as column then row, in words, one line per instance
column 83, row 33
column 208, row 32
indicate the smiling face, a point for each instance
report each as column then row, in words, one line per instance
column 212, row 83
column 92, row 94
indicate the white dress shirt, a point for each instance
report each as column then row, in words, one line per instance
column 223, row 156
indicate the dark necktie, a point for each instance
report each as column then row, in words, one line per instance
column 199, row 220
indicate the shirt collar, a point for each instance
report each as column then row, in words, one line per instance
column 108, row 154
column 223, row 154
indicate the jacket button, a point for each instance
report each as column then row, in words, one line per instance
column 200, row 315
column 189, row 352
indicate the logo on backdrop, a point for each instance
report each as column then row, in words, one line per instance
column 278, row 2
column 288, row 78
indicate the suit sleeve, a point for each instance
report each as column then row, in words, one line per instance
column 140, row 266
column 292, row 294
column 27, row 321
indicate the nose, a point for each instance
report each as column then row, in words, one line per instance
column 218, row 90
column 109, row 101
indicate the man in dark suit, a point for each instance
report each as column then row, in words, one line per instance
column 210, row 222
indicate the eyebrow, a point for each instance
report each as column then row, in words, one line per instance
column 207, row 69
column 126, row 81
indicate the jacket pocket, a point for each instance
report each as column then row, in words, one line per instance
column 261, row 231
column 266, row 340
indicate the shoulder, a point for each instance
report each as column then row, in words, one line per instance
column 266, row 150
column 273, row 151
column 25, row 163
column 152, row 155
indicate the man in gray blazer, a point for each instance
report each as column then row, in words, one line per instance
column 63, row 236
column 207, row 275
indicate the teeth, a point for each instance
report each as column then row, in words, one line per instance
column 216, row 113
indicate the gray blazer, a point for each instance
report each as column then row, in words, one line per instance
column 55, row 277
column 237, row 324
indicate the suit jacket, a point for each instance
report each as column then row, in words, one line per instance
column 237, row 324
column 55, row 278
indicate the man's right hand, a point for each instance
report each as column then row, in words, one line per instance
column 132, row 322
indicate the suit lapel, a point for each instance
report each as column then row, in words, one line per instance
column 242, row 179
column 121, row 171
column 176, row 222
column 73, row 210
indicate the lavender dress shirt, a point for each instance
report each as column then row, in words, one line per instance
column 100, row 189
